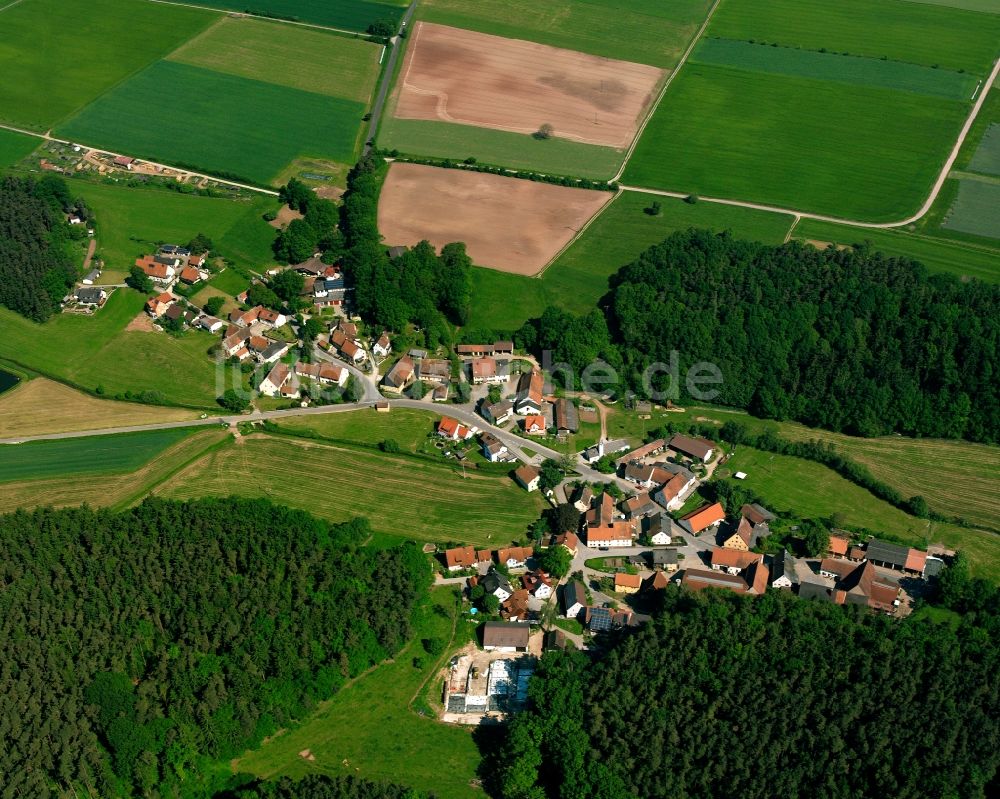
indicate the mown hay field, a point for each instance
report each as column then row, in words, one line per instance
column 40, row 406
column 286, row 55
column 57, row 56
column 224, row 124
column 401, row 496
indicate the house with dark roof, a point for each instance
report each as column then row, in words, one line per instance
column 499, row 636
column 665, row 559
column 567, row 420
column 496, row 584
column 89, row 295
column 756, row 514
column 400, row 376
column 639, row 506
column 652, row 448
column 493, row 448
column 497, row 412
column 661, row 529
column 896, row 556
column 698, row 448
column 783, row 574
column 574, row 599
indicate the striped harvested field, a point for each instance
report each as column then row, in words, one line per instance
column 401, row 496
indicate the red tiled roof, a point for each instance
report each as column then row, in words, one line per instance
column 623, row 580
column 705, row 517
column 734, row 558
column 460, row 556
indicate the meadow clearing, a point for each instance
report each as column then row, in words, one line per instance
column 959, row 258
column 57, row 56
column 44, row 406
column 299, row 58
column 231, row 125
column 115, row 489
column 89, row 351
column 471, row 78
column 15, row 146
column 387, row 740
column 506, row 223
column 793, row 142
column 939, row 34
column 578, row 277
column 647, row 33
column 401, row 496
column 407, row 427
column 354, row 15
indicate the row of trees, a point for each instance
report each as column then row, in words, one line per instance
column 428, row 289
column 36, row 263
column 723, row 695
column 142, row 645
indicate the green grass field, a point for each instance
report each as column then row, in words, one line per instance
column 401, row 496
column 355, row 15
column 419, row 137
column 579, row 276
column 959, row 258
column 286, row 55
column 855, row 70
column 975, row 210
column 221, row 123
column 97, row 455
column 986, row 158
column 15, row 146
column 93, row 351
column 131, row 221
column 988, row 6
column 853, row 151
column 57, row 56
column 371, row 728
column 902, row 31
column 407, row 427
column 631, row 30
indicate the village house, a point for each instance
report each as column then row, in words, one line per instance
column 493, row 448
column 639, row 506
column 329, row 292
column 496, row 584
column 434, row 370
column 741, row 537
column 382, row 347
column 662, row 530
column 326, row 373
column 400, row 376
column 528, row 399
column 602, row 448
column 652, row 448
column 210, row 323
column 697, row 448
column 501, row 636
column 234, row 345
column 733, row 561
column 460, row 558
column 276, row 380
column 566, row 418
column 854, row 584
column 441, row 392
column 752, row 580
column 191, row 275
column 705, row 517
column 453, row 430
column 534, row 425
column 756, row 514
column 479, row 350
column 528, row 477
column 91, row 277
column 574, row 599
column 488, row 370
column 538, row 584
column 605, row 619
column 657, row 581
column 896, row 556
column 672, row 494
column 273, row 351
column 616, row 534
column 497, row 413
column 569, row 541
column 92, row 296
column 158, row 269
column 627, row 583
column 348, row 348
column 582, row 497
column 514, row 557
column 516, row 606
column 157, row 306
column 177, row 312
column 665, row 559
column 783, row 574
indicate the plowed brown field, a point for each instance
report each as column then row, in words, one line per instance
column 508, row 224
column 455, row 75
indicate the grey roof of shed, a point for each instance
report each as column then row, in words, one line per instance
column 506, row 634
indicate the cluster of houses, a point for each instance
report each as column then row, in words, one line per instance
column 245, row 335
column 538, row 415
column 171, row 263
column 287, row 381
column 342, row 339
column 323, row 284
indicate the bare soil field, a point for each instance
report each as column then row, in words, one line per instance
column 508, row 224
column 455, row 75
column 43, row 406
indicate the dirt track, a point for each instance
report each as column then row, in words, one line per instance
column 454, row 75
column 507, row 224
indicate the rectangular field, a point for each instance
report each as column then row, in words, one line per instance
column 401, row 496
column 852, row 151
column 506, row 223
column 857, row 70
column 57, row 56
column 900, row 31
column 633, row 30
column 42, row 406
column 96, row 455
column 15, row 146
column 986, row 158
column 418, row 137
column 286, row 55
column 354, row 15
column 959, row 258
column 186, row 115
column 470, row 78
column 976, row 210
column 578, row 278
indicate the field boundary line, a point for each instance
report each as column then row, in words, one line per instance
column 48, row 137
column 10, row 5
column 230, row 12
column 577, row 235
column 663, row 91
column 924, row 209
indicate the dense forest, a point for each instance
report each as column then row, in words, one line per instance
column 36, row 266
column 426, row 288
column 723, row 695
column 316, row 786
column 850, row 340
column 141, row 646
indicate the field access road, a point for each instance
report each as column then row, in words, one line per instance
column 798, row 215
column 47, row 136
column 383, row 86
